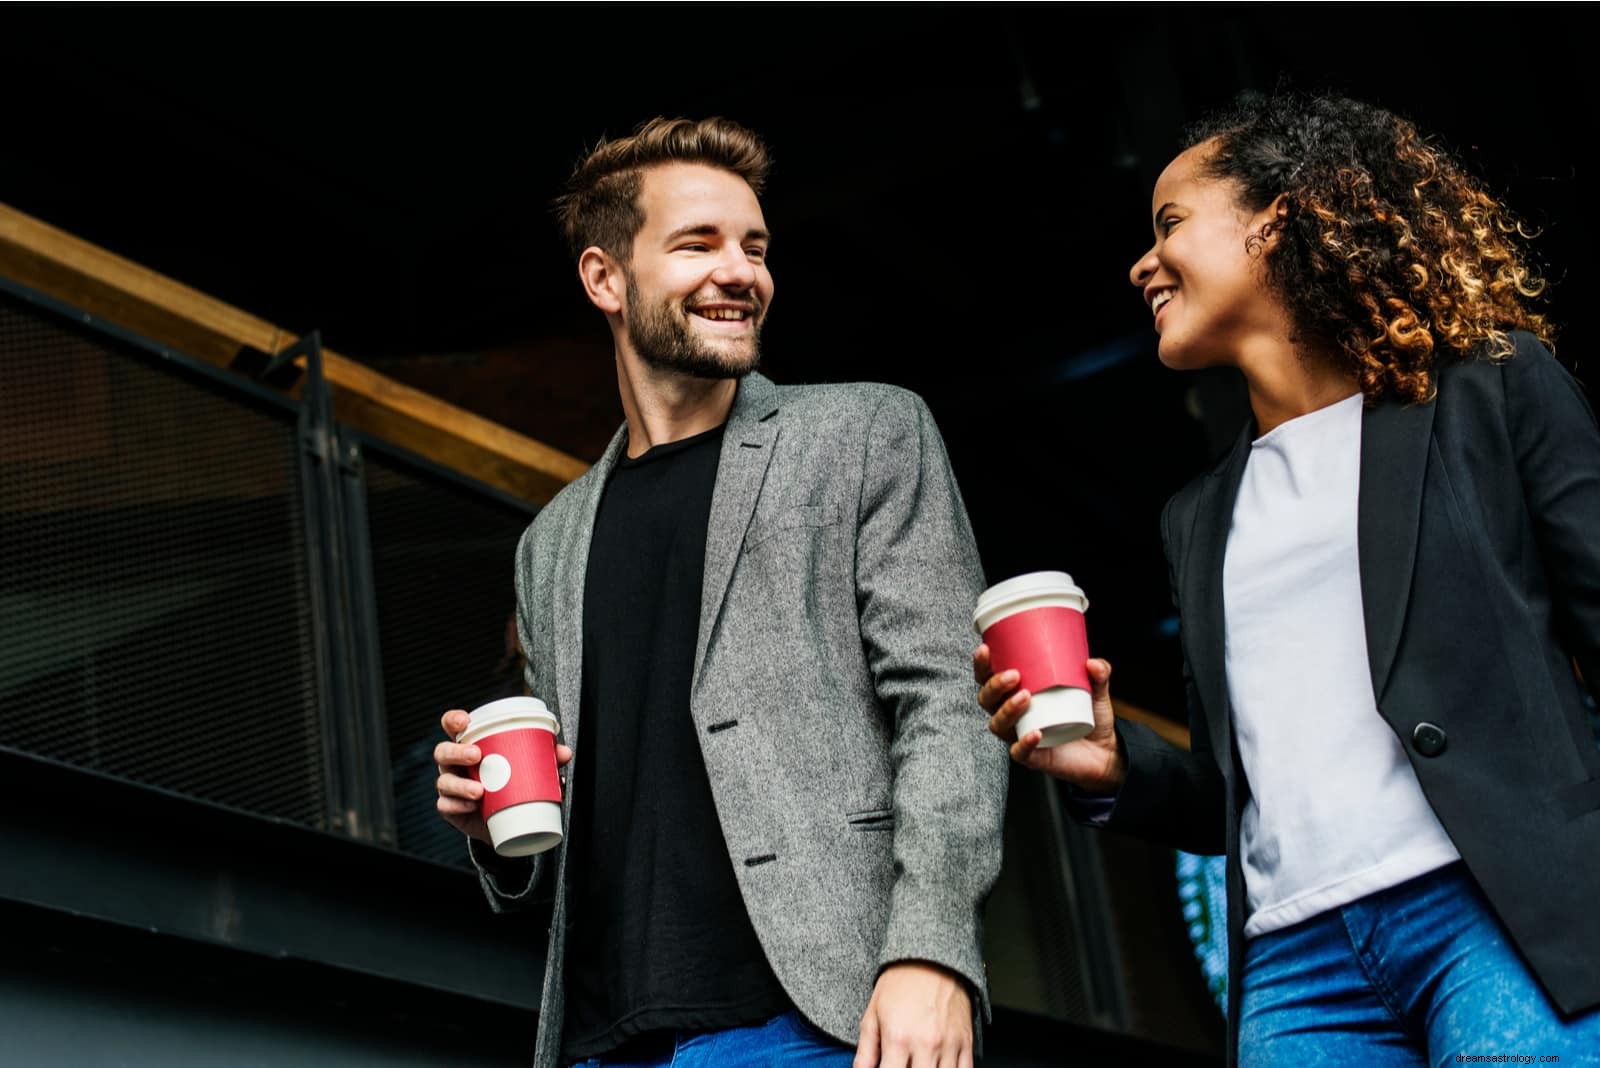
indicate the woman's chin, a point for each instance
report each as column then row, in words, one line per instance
column 1174, row 355
column 1180, row 357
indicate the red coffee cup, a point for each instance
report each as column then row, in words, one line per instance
column 1034, row 624
column 521, row 787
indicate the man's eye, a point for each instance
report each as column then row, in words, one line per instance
column 756, row 253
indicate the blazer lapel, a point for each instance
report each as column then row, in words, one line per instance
column 747, row 447
column 1394, row 462
column 1204, row 615
column 572, row 566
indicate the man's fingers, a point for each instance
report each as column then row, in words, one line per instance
column 895, row 1053
column 459, row 786
column 563, row 756
column 455, row 806
column 867, row 1044
column 461, row 756
column 957, row 1051
column 455, row 721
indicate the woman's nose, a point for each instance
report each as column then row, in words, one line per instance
column 1144, row 268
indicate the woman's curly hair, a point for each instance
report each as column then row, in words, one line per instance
column 1390, row 253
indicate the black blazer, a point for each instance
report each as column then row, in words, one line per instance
column 1479, row 547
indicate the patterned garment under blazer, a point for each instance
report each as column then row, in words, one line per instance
column 859, row 792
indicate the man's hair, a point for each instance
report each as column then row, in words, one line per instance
column 601, row 204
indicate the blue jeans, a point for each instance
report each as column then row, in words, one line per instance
column 780, row 1042
column 1419, row 974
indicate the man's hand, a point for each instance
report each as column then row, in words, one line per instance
column 459, row 792
column 919, row 1017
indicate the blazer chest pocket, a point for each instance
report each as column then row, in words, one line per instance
column 800, row 517
column 872, row 819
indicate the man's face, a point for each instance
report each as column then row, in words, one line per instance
column 698, row 284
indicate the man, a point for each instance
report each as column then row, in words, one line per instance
column 751, row 616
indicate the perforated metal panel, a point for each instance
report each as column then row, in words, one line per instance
column 153, row 598
column 442, row 557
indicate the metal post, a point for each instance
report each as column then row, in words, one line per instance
column 344, row 613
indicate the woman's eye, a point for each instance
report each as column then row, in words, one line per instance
column 1168, row 223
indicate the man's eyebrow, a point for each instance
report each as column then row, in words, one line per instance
column 708, row 230
column 693, row 230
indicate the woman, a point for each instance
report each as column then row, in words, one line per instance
column 1383, row 589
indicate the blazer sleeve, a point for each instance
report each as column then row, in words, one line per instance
column 1557, row 446
column 917, row 580
column 1170, row 795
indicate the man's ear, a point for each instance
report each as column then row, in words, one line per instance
column 603, row 279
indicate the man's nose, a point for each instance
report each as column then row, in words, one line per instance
column 734, row 271
column 1144, row 268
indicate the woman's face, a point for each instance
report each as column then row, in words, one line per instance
column 1201, row 279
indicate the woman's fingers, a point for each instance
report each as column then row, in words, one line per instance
column 994, row 692
column 1003, row 724
column 1100, row 692
column 1025, row 747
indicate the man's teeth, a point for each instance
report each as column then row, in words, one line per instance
column 1161, row 299
column 721, row 313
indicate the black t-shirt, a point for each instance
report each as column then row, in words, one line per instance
column 659, row 938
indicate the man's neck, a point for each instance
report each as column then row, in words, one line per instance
column 662, row 406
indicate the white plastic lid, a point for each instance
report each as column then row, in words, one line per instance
column 1032, row 586
column 508, row 711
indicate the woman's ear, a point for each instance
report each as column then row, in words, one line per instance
column 1267, row 224
column 603, row 279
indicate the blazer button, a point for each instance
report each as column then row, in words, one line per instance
column 1429, row 739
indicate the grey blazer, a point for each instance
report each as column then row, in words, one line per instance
column 858, row 790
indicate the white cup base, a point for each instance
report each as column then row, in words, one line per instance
column 1060, row 714
column 525, row 829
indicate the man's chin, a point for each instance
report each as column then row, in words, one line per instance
column 705, row 364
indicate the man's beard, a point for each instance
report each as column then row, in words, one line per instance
column 662, row 339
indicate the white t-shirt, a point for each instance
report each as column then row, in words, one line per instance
column 1336, row 812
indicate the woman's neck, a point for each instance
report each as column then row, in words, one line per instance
column 1286, row 382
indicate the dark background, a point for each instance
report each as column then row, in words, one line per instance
column 958, row 193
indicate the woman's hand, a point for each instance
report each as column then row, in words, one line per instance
column 1093, row 763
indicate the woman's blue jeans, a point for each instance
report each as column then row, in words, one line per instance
column 781, row 1042
column 1419, row 974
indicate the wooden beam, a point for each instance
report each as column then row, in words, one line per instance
column 1175, row 733
column 138, row 299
